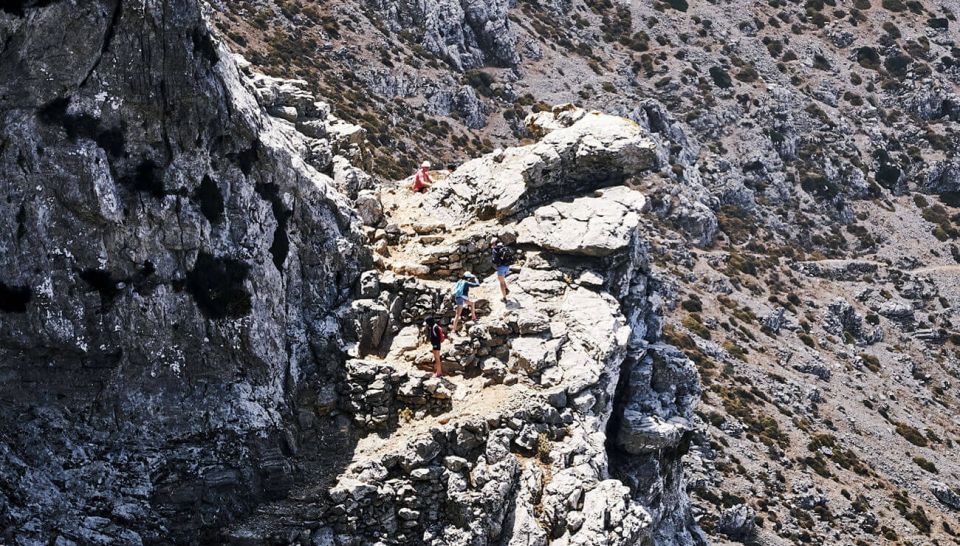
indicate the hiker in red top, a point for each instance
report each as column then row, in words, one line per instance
column 421, row 180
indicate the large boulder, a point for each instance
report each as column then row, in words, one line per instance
column 949, row 496
column 592, row 226
column 597, row 151
column 738, row 522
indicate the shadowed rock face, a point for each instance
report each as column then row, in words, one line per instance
column 161, row 315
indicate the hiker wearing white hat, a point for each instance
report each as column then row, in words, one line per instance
column 421, row 180
column 461, row 295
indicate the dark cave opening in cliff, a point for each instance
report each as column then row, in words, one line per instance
column 14, row 299
column 203, row 44
column 147, row 178
column 211, row 199
column 56, row 113
column 103, row 282
column 217, row 286
column 245, row 159
column 280, row 246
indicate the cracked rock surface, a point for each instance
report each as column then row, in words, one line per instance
column 168, row 269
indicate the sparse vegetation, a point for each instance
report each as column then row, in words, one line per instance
column 911, row 435
column 693, row 323
column 926, row 465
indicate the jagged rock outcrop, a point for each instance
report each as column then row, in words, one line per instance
column 738, row 522
column 562, row 418
column 945, row 494
column 842, row 320
column 594, row 226
column 466, row 34
column 168, row 268
column 595, row 151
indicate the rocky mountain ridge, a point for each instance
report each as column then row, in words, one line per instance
column 517, row 443
column 206, row 363
column 779, row 210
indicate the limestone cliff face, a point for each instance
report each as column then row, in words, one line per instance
column 166, row 269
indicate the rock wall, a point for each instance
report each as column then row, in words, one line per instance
column 167, row 269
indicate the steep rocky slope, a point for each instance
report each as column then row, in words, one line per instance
column 563, row 417
column 807, row 222
column 445, row 79
column 198, row 348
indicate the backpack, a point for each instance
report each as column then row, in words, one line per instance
column 458, row 288
column 440, row 335
column 503, row 255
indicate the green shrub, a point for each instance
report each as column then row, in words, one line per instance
column 918, row 517
column 893, row 5
column 735, row 350
column 543, row 447
column 926, row 465
column 692, row 304
column 912, row 435
column 871, row 362
column 692, row 323
column 892, row 29
column 480, row 80
column 748, row 75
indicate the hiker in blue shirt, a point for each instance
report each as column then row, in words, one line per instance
column 461, row 295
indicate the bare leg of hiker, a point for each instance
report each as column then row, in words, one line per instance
column 437, row 368
column 473, row 312
column 502, row 271
column 456, row 318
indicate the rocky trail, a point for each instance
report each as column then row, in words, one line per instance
column 945, row 269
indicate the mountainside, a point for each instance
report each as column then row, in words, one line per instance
column 732, row 314
column 806, row 211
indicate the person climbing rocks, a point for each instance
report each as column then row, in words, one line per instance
column 421, row 180
column 502, row 260
column 461, row 296
column 436, row 335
